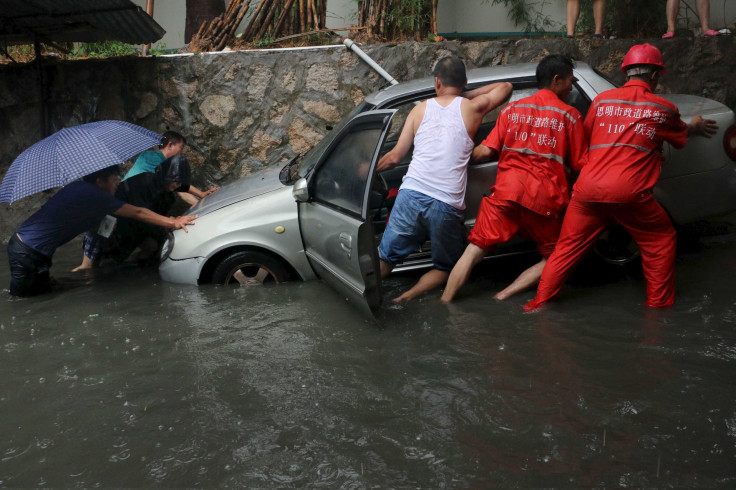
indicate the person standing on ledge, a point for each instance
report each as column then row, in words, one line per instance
column 573, row 13
column 703, row 9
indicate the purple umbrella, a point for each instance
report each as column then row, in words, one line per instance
column 72, row 153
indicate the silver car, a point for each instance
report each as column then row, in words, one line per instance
column 322, row 214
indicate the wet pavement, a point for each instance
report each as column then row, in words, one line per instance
column 121, row 380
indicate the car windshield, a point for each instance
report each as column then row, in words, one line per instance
column 300, row 166
column 606, row 78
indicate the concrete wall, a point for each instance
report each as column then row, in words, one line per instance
column 464, row 17
column 478, row 17
column 244, row 110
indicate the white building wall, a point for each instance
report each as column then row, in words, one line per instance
column 171, row 15
column 722, row 14
column 478, row 17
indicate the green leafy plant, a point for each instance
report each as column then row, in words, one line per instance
column 410, row 17
column 397, row 19
column 159, row 49
column 264, row 41
column 528, row 14
column 20, row 53
column 103, row 49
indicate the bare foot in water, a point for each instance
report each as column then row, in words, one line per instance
column 85, row 265
column 404, row 298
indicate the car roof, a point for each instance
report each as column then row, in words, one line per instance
column 475, row 76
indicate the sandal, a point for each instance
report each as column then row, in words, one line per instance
column 711, row 33
column 669, row 35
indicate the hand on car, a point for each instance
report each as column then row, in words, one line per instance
column 210, row 191
column 388, row 161
column 181, row 222
column 704, row 127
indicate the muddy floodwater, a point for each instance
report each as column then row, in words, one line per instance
column 121, row 380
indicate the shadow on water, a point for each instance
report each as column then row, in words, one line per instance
column 122, row 380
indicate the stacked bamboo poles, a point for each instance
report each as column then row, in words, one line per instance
column 268, row 19
column 274, row 20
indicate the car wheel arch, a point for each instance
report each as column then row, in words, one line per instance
column 207, row 271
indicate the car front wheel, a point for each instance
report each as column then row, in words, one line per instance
column 249, row 268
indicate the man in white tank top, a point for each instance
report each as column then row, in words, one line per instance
column 431, row 198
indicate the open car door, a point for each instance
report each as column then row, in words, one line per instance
column 335, row 215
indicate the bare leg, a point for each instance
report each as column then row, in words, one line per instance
column 432, row 279
column 599, row 14
column 703, row 8
column 673, row 8
column 573, row 12
column 461, row 272
column 386, row 268
column 86, row 264
column 188, row 198
column 526, row 279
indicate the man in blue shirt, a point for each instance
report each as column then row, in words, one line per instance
column 76, row 208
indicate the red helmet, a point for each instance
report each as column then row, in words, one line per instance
column 643, row 54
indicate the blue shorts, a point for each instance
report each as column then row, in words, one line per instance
column 91, row 245
column 417, row 217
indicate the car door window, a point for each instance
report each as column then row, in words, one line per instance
column 341, row 180
column 578, row 100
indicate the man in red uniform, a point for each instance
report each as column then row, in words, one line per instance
column 627, row 127
column 535, row 137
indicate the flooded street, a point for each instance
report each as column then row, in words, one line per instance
column 121, row 380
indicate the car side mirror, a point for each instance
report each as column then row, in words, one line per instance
column 301, row 190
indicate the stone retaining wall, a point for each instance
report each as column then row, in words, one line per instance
column 241, row 111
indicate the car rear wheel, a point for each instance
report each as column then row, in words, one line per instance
column 249, row 268
column 615, row 246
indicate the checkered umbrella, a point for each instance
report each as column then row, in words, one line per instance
column 72, row 153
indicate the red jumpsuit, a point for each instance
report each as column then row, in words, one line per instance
column 626, row 127
column 535, row 137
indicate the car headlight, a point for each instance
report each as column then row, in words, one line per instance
column 167, row 247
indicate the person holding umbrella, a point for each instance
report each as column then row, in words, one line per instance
column 91, row 152
column 73, row 210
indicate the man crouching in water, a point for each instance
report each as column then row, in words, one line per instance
column 431, row 198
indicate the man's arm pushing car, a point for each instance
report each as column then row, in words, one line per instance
column 147, row 216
